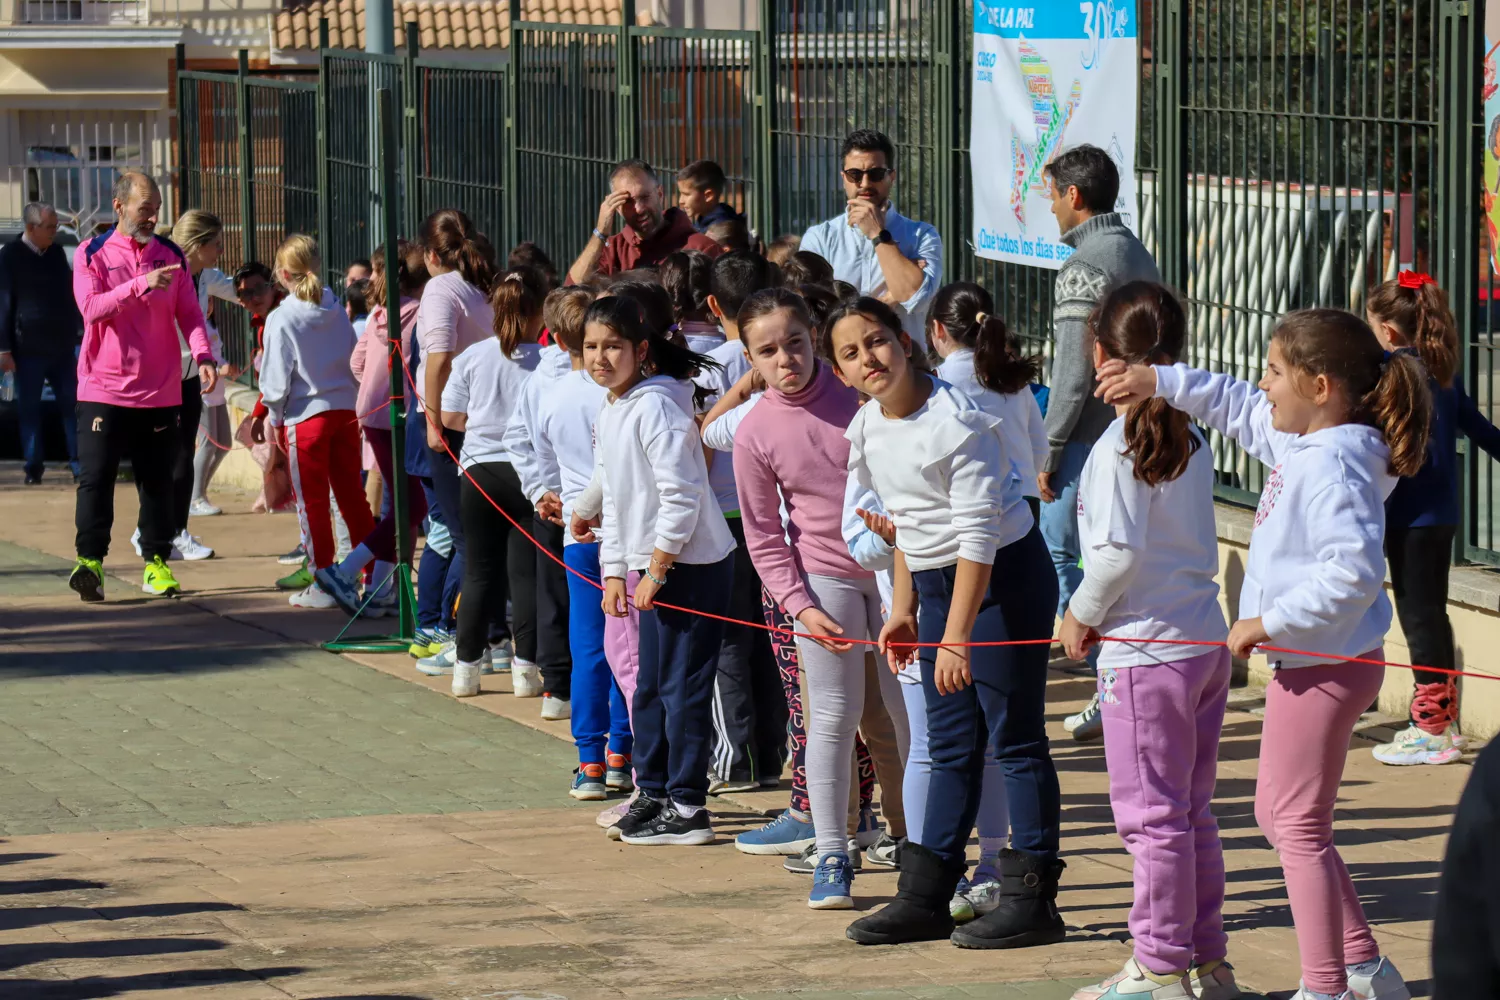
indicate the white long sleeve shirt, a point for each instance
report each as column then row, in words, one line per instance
column 1315, row 573
column 562, row 430
column 1020, row 415
column 655, row 482
column 486, row 385
column 943, row 474
column 1150, row 554
column 519, row 440
column 719, row 435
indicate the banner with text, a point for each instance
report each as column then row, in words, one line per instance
column 1046, row 77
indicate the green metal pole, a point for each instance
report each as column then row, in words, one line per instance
column 325, row 209
column 626, row 85
column 770, row 203
column 247, row 162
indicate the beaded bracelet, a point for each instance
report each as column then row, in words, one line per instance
column 653, row 579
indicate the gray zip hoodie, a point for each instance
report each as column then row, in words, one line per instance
column 305, row 367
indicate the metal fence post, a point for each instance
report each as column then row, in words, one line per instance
column 766, row 125
column 410, row 134
column 325, row 210
column 1171, row 124
column 627, row 85
column 952, row 69
column 510, row 84
column 247, row 164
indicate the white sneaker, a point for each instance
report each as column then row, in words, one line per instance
column 1385, row 983
column 1303, row 994
column 1134, row 981
column 465, row 679
column 202, row 508
column 525, row 678
column 1213, row 981
column 192, row 548
column 312, row 597
column 135, row 543
column 1072, row 722
column 554, row 709
column 1414, row 745
column 441, row 662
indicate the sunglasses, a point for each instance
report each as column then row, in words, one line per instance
column 876, row 174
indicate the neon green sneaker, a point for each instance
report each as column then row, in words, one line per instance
column 159, row 579
column 299, row 579
column 88, row 580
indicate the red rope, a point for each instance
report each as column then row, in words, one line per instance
column 786, row 633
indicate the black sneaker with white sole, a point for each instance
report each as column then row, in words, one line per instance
column 670, row 828
column 641, row 812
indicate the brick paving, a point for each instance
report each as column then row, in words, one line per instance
column 196, row 802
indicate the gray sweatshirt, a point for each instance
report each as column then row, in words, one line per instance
column 305, row 368
column 1106, row 255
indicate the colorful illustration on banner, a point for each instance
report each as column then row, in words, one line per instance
column 1490, row 96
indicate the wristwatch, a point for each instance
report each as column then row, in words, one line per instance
column 884, row 236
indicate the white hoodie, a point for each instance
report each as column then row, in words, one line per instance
column 656, row 492
column 1020, row 416
column 305, row 367
column 562, row 429
column 519, row 440
column 1316, row 570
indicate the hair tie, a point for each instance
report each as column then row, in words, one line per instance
column 514, row 276
column 980, row 318
column 1415, row 279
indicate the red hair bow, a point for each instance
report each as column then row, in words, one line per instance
column 1415, row 279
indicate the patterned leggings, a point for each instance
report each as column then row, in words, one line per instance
column 785, row 648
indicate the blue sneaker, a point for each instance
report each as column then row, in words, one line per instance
column 869, row 831
column 588, row 783
column 791, row 833
column 833, row 882
column 339, row 587
column 424, row 643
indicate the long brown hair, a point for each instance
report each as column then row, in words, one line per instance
column 1141, row 322
column 449, row 235
column 1388, row 392
column 968, row 314
column 516, row 301
column 1422, row 317
column 411, row 272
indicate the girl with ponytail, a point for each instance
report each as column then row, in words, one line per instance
column 1150, row 554
column 1410, row 315
column 1337, row 419
column 982, row 360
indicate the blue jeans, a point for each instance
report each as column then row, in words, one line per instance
column 31, row 373
column 599, row 708
column 1059, row 522
column 438, row 577
column 674, row 690
column 1005, row 708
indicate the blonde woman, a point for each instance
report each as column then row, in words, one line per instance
column 310, row 396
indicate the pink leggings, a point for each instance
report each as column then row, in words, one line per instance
column 622, row 647
column 1310, row 715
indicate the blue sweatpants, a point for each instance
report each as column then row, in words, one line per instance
column 599, row 708
column 438, row 577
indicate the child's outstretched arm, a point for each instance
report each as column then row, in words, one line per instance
column 1230, row 406
column 1475, row 425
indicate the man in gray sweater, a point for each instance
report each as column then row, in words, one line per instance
column 1106, row 254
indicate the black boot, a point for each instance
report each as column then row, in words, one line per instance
column 1027, row 914
column 920, row 910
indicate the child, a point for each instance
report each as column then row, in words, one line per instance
column 969, row 550
column 1411, row 314
column 780, row 250
column 750, row 712
column 357, row 302
column 485, row 385
column 539, row 486
column 806, row 268
column 661, row 521
column 964, row 331
column 1150, row 553
column 310, row 394
column 1337, row 420
column 700, row 192
column 784, row 450
column 562, row 430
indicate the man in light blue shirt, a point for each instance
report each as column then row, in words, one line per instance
column 872, row 246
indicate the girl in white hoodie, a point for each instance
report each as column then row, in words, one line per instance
column 661, row 520
column 1337, row 420
column 310, row 392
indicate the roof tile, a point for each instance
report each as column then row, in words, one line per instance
column 441, row 24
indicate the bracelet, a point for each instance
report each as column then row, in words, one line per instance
column 650, row 576
column 600, row 236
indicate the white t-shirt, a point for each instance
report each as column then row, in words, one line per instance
column 453, row 316
column 1020, row 416
column 730, row 354
column 1150, row 554
column 486, row 385
column 562, row 429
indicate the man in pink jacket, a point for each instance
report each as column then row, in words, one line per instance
column 134, row 290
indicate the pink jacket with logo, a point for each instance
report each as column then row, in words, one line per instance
column 130, row 354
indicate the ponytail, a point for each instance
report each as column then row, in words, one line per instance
column 1141, row 322
column 623, row 315
column 1418, row 309
column 516, row 301
column 967, row 313
column 297, row 266
column 1401, row 406
column 686, row 276
column 449, row 235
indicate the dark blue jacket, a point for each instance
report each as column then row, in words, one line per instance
column 719, row 213
column 39, row 317
column 1431, row 496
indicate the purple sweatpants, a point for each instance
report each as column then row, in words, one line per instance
column 622, row 646
column 1161, row 747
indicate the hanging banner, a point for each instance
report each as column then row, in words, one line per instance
column 1047, row 76
column 1490, row 93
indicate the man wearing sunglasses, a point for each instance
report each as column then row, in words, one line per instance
column 874, row 247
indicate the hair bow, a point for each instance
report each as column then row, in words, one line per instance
column 1415, row 279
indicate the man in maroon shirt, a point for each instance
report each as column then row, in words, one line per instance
column 652, row 230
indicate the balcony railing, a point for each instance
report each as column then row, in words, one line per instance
column 86, row 12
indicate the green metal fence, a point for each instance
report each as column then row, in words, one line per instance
column 1289, row 154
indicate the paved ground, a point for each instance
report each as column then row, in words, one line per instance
column 197, row 802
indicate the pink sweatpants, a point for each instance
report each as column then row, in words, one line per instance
column 1161, row 747
column 1310, row 716
column 622, row 647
